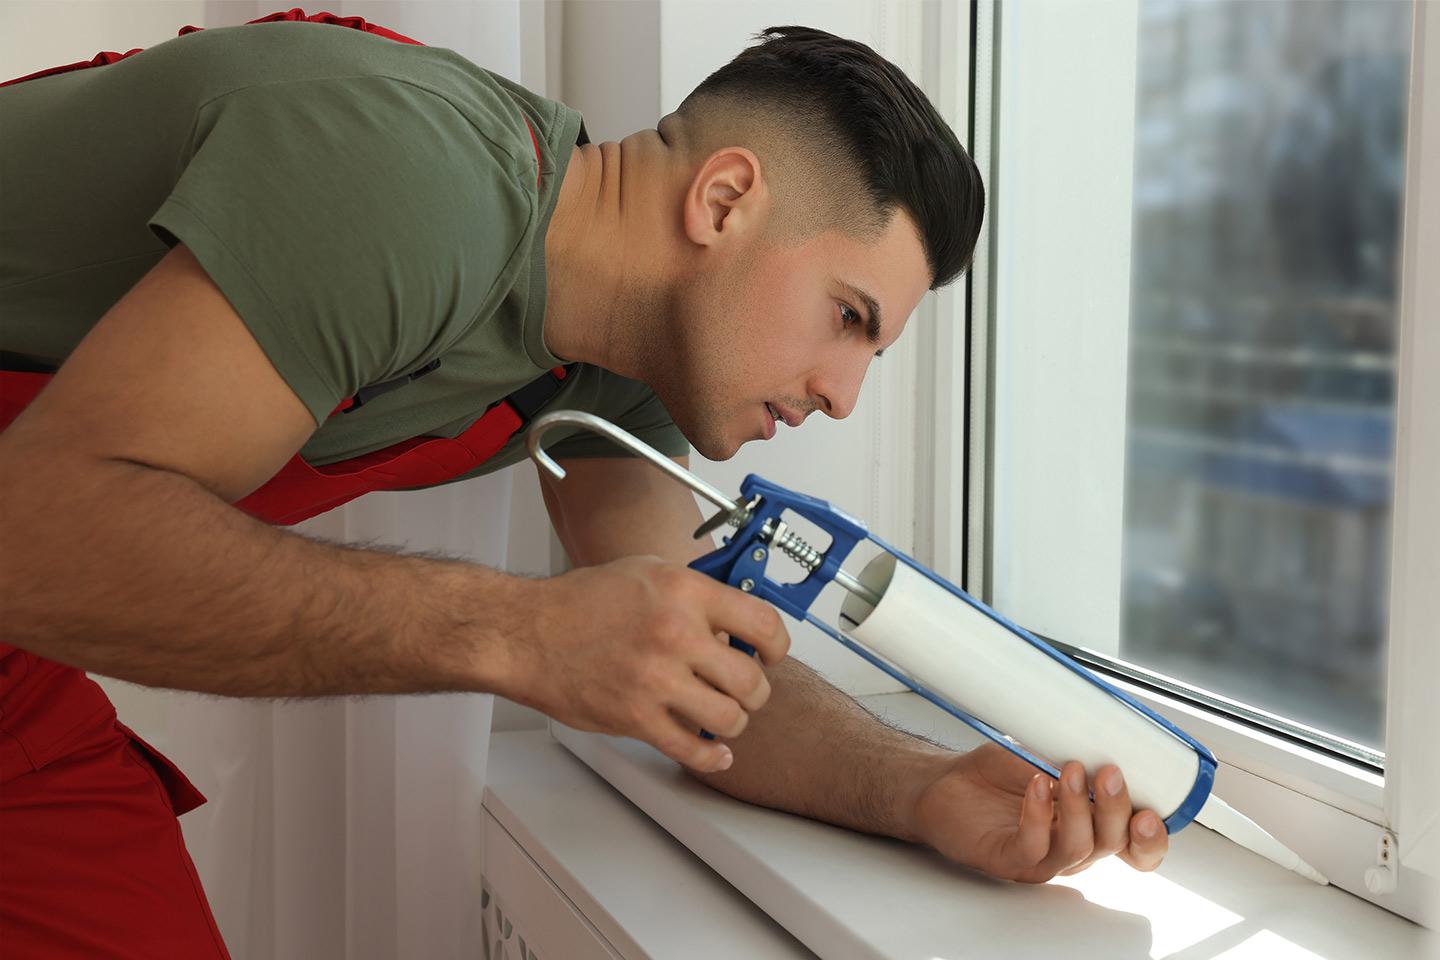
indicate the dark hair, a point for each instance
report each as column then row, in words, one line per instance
column 853, row 103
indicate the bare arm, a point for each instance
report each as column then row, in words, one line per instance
column 811, row 749
column 122, row 555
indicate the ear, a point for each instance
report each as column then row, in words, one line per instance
column 726, row 198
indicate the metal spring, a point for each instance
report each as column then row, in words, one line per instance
column 790, row 543
column 795, row 547
column 801, row 552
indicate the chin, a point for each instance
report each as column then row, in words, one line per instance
column 715, row 449
column 712, row 444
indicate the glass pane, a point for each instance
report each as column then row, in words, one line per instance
column 1260, row 161
column 1268, row 171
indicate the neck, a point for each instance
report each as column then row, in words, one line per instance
column 606, row 280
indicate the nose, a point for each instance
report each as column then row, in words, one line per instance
column 838, row 394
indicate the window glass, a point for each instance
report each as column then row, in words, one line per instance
column 1197, row 263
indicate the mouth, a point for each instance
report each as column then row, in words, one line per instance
column 783, row 416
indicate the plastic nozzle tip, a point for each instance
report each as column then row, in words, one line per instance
column 1310, row 873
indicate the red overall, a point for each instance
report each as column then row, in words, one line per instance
column 92, row 862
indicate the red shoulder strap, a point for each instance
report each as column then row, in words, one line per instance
column 300, row 491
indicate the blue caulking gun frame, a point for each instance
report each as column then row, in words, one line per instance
column 743, row 558
column 742, row 562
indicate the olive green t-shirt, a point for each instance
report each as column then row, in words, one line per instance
column 366, row 206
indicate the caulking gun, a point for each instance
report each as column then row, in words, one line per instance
column 950, row 648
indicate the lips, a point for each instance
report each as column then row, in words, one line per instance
column 784, row 416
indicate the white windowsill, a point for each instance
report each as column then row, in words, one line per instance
column 847, row 895
column 640, row 891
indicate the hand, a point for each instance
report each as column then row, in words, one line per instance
column 637, row 648
column 987, row 811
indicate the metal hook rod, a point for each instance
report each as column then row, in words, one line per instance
column 588, row 421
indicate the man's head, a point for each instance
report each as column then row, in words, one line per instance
column 777, row 230
column 824, row 193
column 847, row 139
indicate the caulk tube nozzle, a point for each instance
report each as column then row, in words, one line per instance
column 1227, row 821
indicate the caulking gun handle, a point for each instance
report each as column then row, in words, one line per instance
column 744, row 648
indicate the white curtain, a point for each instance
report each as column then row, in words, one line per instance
column 347, row 827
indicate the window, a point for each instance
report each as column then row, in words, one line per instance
column 1195, row 281
column 1183, row 420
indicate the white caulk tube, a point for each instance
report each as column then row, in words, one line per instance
column 999, row 677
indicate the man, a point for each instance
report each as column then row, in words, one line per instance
column 267, row 259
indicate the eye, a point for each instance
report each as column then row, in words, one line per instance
column 850, row 317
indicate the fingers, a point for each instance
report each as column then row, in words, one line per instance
column 1063, row 831
column 1137, row 837
column 733, row 673
column 1075, row 833
column 747, row 618
column 711, row 710
column 1149, row 841
column 1087, row 832
column 1109, row 816
column 1112, row 813
column 1032, row 841
column 684, row 745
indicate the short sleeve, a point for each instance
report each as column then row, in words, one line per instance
column 357, row 225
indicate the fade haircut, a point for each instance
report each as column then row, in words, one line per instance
column 845, row 139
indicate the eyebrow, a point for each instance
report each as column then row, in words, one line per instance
column 872, row 313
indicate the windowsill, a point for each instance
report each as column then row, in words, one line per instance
column 850, row 895
column 639, row 890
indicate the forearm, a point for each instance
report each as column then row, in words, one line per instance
column 144, row 575
column 814, row 751
column 811, row 749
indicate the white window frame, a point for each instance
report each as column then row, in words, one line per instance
column 1412, row 712
column 1335, row 813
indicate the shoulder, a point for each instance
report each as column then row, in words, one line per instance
column 356, row 76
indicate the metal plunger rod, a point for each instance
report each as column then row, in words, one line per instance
column 575, row 418
column 857, row 588
column 793, row 546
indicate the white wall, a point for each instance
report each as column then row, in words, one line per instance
column 611, row 68
column 31, row 37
